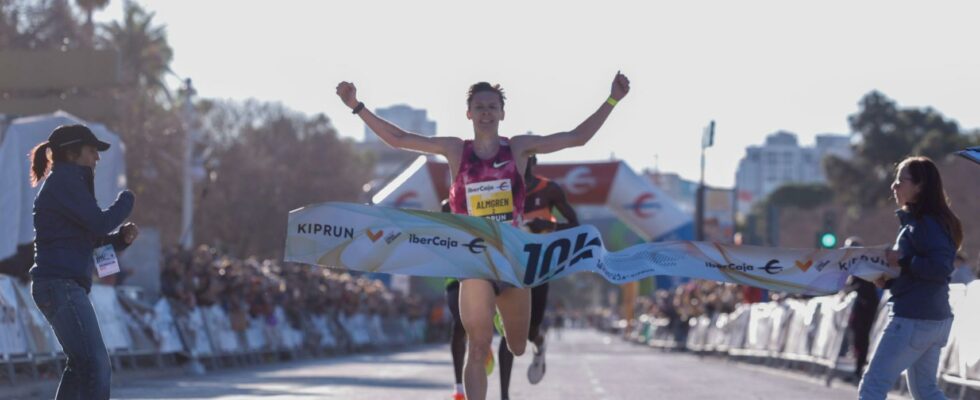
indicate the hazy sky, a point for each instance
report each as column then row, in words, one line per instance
column 753, row 66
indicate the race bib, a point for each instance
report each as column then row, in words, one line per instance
column 105, row 261
column 490, row 199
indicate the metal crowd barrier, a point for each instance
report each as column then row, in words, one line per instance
column 134, row 331
column 814, row 333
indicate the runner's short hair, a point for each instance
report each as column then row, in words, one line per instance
column 485, row 87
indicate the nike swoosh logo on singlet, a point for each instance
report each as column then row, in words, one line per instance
column 498, row 165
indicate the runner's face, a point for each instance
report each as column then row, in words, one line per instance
column 485, row 111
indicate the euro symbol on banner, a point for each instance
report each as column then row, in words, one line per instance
column 408, row 199
column 643, row 203
column 579, row 180
column 476, row 246
column 772, row 267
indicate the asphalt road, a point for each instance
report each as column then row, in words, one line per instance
column 581, row 365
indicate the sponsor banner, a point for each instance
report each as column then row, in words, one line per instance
column 412, row 189
column 965, row 358
column 39, row 331
column 115, row 331
column 583, row 183
column 643, row 207
column 165, row 329
column 13, row 340
column 418, row 243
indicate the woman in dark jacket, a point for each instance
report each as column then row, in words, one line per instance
column 920, row 317
column 70, row 227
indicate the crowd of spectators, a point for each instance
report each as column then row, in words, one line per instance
column 691, row 300
column 253, row 288
column 675, row 307
column 695, row 298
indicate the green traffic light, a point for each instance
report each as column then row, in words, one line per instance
column 828, row 240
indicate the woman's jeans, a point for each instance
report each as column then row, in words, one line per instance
column 907, row 344
column 67, row 308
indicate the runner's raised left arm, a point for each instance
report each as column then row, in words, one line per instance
column 530, row 144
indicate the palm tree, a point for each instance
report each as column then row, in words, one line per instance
column 89, row 6
column 142, row 46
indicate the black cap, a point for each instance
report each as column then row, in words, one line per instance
column 67, row 135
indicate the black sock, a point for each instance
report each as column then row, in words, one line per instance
column 506, row 361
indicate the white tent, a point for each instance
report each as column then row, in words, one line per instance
column 16, row 193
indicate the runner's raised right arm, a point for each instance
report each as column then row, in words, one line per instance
column 393, row 135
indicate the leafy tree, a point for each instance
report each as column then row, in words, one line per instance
column 11, row 27
column 43, row 24
column 143, row 46
column 270, row 160
column 888, row 134
column 758, row 227
column 264, row 160
column 146, row 117
column 89, row 7
column 804, row 196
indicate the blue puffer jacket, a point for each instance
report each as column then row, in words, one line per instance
column 926, row 253
column 69, row 225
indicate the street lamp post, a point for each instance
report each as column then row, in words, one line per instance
column 189, row 117
column 707, row 140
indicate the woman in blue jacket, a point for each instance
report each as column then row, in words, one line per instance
column 69, row 227
column 920, row 317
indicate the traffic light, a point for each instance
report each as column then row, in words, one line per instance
column 827, row 240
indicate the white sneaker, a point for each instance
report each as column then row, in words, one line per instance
column 535, row 372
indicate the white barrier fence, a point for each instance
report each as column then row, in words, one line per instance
column 815, row 331
column 131, row 329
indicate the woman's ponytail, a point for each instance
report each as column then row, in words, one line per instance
column 40, row 163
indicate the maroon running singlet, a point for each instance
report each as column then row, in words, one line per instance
column 489, row 188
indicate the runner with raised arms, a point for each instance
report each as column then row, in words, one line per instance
column 487, row 181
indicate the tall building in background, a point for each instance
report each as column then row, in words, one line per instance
column 782, row 160
column 408, row 118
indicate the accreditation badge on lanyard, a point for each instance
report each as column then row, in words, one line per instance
column 106, row 262
column 491, row 199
